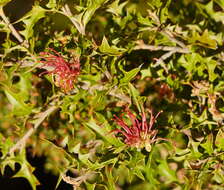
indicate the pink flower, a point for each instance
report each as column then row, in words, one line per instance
column 140, row 134
column 64, row 73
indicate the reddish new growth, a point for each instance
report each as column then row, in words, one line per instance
column 64, row 73
column 140, row 134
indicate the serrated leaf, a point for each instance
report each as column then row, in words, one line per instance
column 5, row 145
column 164, row 13
column 110, row 179
column 90, row 186
column 144, row 20
column 51, row 4
column 211, row 64
column 110, row 50
column 92, row 6
column 26, row 170
column 135, row 95
column 208, row 145
column 34, row 16
column 195, row 154
column 104, row 131
column 84, row 158
column 146, row 73
column 204, row 40
column 100, row 165
column 167, row 172
column 128, row 76
column 220, row 3
column 189, row 61
column 219, row 141
column 218, row 176
column 19, row 107
column 138, row 173
column 116, row 8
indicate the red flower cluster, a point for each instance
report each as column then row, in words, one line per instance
column 64, row 73
column 140, row 133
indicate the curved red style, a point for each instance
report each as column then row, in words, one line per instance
column 64, row 73
column 140, row 134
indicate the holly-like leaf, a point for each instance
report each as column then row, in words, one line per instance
column 105, row 48
column 211, row 64
column 208, row 145
column 116, row 8
column 105, row 132
column 32, row 18
column 26, row 170
column 110, row 179
column 128, row 76
column 166, row 171
column 51, row 4
column 220, row 3
column 219, row 141
column 92, row 6
column 19, row 106
column 90, row 186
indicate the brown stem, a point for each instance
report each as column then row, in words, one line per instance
column 11, row 27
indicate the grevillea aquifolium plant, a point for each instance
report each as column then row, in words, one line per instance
column 75, row 76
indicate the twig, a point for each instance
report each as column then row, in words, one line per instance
column 11, row 27
column 171, row 50
column 76, row 182
column 168, row 33
column 112, row 92
column 23, row 140
column 142, row 45
column 160, row 61
column 165, row 31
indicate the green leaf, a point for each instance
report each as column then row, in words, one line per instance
column 204, row 40
column 34, row 16
column 51, row 4
column 220, row 3
column 90, row 186
column 99, row 100
column 207, row 40
column 100, row 165
column 110, row 50
column 105, row 131
column 195, row 154
column 137, row 171
column 164, row 13
column 135, row 95
column 26, row 170
column 19, row 107
column 5, row 145
column 211, row 64
column 92, row 6
column 115, row 8
column 189, row 61
column 144, row 21
column 110, row 179
column 146, row 73
column 218, row 176
column 208, row 145
column 167, row 172
column 128, row 76
column 4, row 2
column 219, row 141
